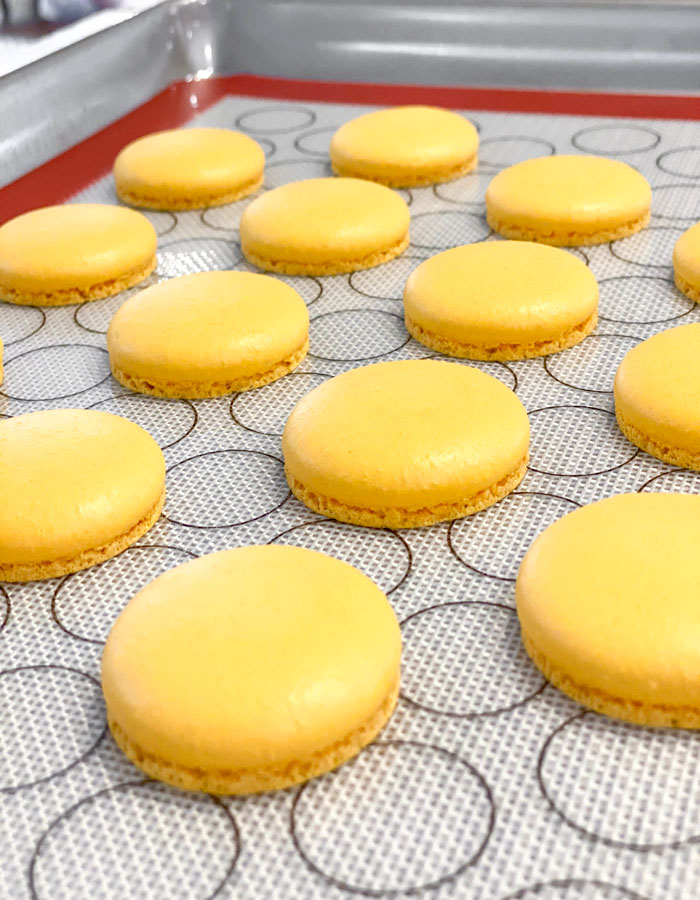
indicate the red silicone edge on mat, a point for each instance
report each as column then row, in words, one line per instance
column 71, row 171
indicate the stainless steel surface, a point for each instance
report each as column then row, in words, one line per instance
column 31, row 15
column 52, row 104
column 650, row 48
column 19, row 11
column 32, row 31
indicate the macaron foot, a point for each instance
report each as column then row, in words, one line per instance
column 193, row 390
column 263, row 778
column 185, row 203
column 409, row 180
column 38, row 571
column 568, row 238
column 568, row 338
column 408, row 518
column 655, row 715
column 334, row 267
column 676, row 456
column 70, row 296
column 685, row 287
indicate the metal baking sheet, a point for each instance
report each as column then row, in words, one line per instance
column 599, row 45
column 486, row 784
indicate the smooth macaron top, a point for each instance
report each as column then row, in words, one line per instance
column 406, row 434
column 608, row 595
column 657, row 387
column 188, row 164
column 324, row 220
column 250, row 657
column 568, row 194
column 79, row 245
column 72, row 480
column 686, row 256
column 403, row 141
column 501, row 292
column 207, row 326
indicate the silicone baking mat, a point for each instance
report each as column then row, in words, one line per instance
column 486, row 784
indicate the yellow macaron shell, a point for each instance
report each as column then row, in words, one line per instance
column 686, row 263
column 72, row 480
column 249, row 659
column 208, row 327
column 499, row 293
column 657, row 389
column 188, row 167
column 332, row 222
column 405, row 146
column 607, row 598
column 568, row 200
column 74, row 248
column 408, row 434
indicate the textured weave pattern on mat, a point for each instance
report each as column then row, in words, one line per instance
column 486, row 784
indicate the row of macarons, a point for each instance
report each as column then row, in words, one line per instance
column 485, row 301
column 213, row 333
column 399, row 444
column 323, row 225
column 260, row 667
column 566, row 201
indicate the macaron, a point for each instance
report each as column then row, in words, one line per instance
column 59, row 255
column 188, row 168
column 568, row 200
column 324, row 226
column 77, row 487
column 251, row 669
column 501, row 300
column 686, row 263
column 208, row 334
column 407, row 146
column 607, row 598
column 657, row 396
column 406, row 443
